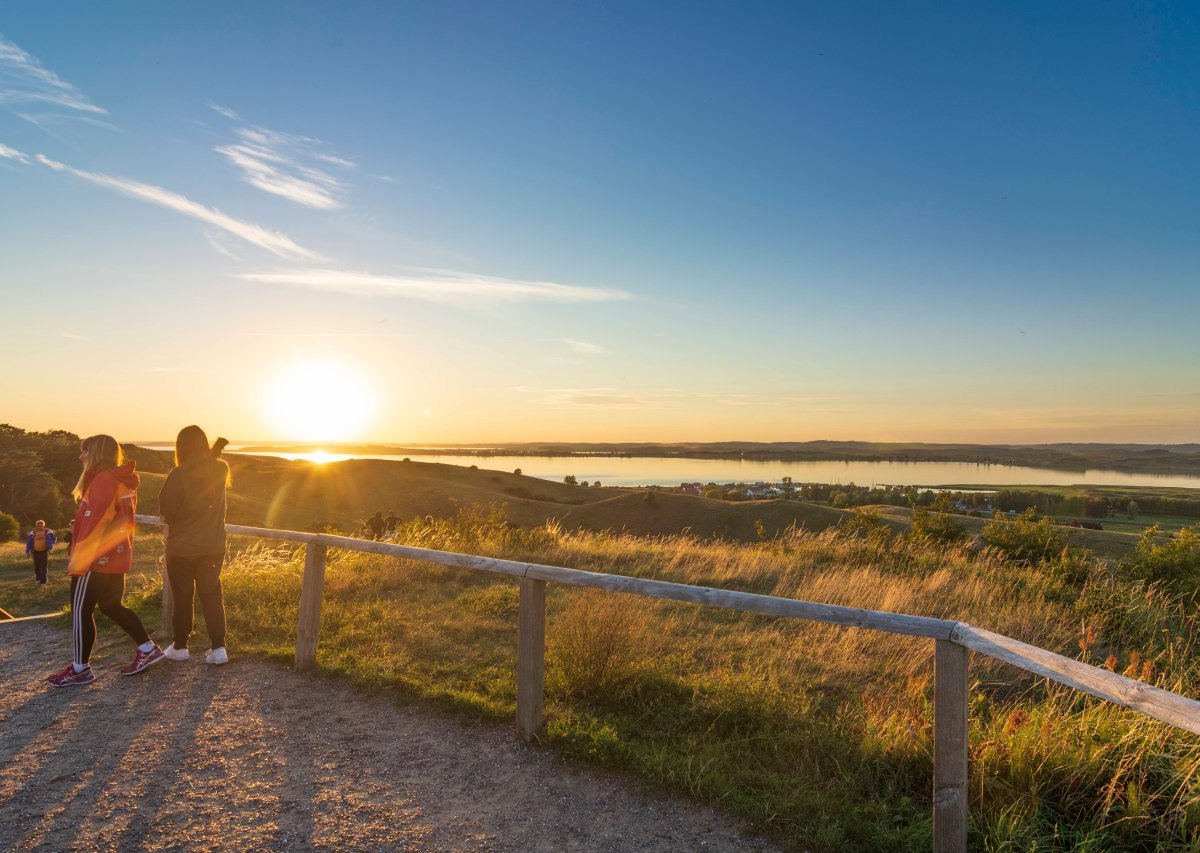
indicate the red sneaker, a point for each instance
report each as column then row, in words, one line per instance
column 68, row 677
column 143, row 660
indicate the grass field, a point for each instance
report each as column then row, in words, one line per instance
column 816, row 735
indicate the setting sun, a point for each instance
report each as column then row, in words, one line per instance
column 320, row 401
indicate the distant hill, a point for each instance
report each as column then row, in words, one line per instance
column 274, row 492
column 1145, row 458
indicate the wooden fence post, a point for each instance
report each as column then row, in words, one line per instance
column 531, row 657
column 308, row 623
column 950, row 748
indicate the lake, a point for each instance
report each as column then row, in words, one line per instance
column 642, row 471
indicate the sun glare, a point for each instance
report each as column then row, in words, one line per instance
column 319, row 401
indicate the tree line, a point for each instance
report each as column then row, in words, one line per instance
column 37, row 472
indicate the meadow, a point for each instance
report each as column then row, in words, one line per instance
column 815, row 735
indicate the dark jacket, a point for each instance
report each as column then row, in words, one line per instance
column 192, row 503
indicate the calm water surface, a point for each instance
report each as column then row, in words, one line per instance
column 619, row 471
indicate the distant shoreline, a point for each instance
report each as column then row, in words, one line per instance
column 1129, row 458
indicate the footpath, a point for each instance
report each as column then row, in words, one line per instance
column 253, row 756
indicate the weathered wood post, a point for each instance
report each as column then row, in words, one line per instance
column 950, row 748
column 531, row 657
column 308, row 623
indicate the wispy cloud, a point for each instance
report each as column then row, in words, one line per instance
column 436, row 286
column 602, row 397
column 583, row 347
column 272, row 241
column 46, row 121
column 13, row 154
column 177, row 370
column 286, row 164
column 220, row 244
column 24, row 80
column 75, row 337
column 324, row 335
column 665, row 398
column 225, row 111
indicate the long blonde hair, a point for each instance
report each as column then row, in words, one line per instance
column 103, row 452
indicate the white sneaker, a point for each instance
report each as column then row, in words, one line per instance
column 172, row 653
column 216, row 656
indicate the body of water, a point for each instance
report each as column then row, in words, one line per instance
column 641, row 471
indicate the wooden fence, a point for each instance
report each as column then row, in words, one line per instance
column 953, row 641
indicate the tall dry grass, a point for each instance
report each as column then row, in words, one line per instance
column 816, row 734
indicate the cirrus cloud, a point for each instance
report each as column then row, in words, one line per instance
column 24, row 80
column 273, row 241
column 285, row 164
column 436, row 286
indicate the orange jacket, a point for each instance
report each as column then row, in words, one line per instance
column 103, row 538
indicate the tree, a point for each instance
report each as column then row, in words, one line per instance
column 517, row 471
column 570, row 480
column 9, row 528
column 789, row 491
column 1096, row 508
column 26, row 490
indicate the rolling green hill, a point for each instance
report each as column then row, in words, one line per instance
column 273, row 492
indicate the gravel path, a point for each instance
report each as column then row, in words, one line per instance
column 253, row 756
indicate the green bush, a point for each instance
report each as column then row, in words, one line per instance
column 10, row 528
column 1175, row 563
column 1025, row 539
column 934, row 526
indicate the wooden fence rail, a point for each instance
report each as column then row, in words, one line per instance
column 953, row 641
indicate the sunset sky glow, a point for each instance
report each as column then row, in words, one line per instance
column 474, row 222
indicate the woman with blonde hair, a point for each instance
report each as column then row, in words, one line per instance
column 192, row 503
column 101, row 556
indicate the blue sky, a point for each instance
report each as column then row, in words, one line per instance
column 667, row 221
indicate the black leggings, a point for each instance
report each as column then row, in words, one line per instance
column 191, row 575
column 92, row 590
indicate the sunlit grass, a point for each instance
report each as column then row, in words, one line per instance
column 817, row 735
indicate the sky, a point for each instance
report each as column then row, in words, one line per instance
column 462, row 222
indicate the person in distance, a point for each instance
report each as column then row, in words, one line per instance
column 101, row 555
column 38, row 544
column 192, row 503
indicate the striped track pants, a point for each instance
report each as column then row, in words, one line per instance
column 104, row 591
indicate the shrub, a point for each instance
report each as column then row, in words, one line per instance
column 598, row 645
column 10, row 528
column 868, row 523
column 1025, row 539
column 935, row 526
column 1175, row 563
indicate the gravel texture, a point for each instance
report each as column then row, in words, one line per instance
column 253, row 756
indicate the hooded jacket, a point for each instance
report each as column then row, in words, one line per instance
column 192, row 503
column 103, row 539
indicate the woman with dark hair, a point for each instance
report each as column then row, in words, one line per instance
column 192, row 503
column 101, row 555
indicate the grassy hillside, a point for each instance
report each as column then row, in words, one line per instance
column 818, row 736
column 274, row 492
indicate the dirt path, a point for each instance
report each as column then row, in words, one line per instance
column 253, row 756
